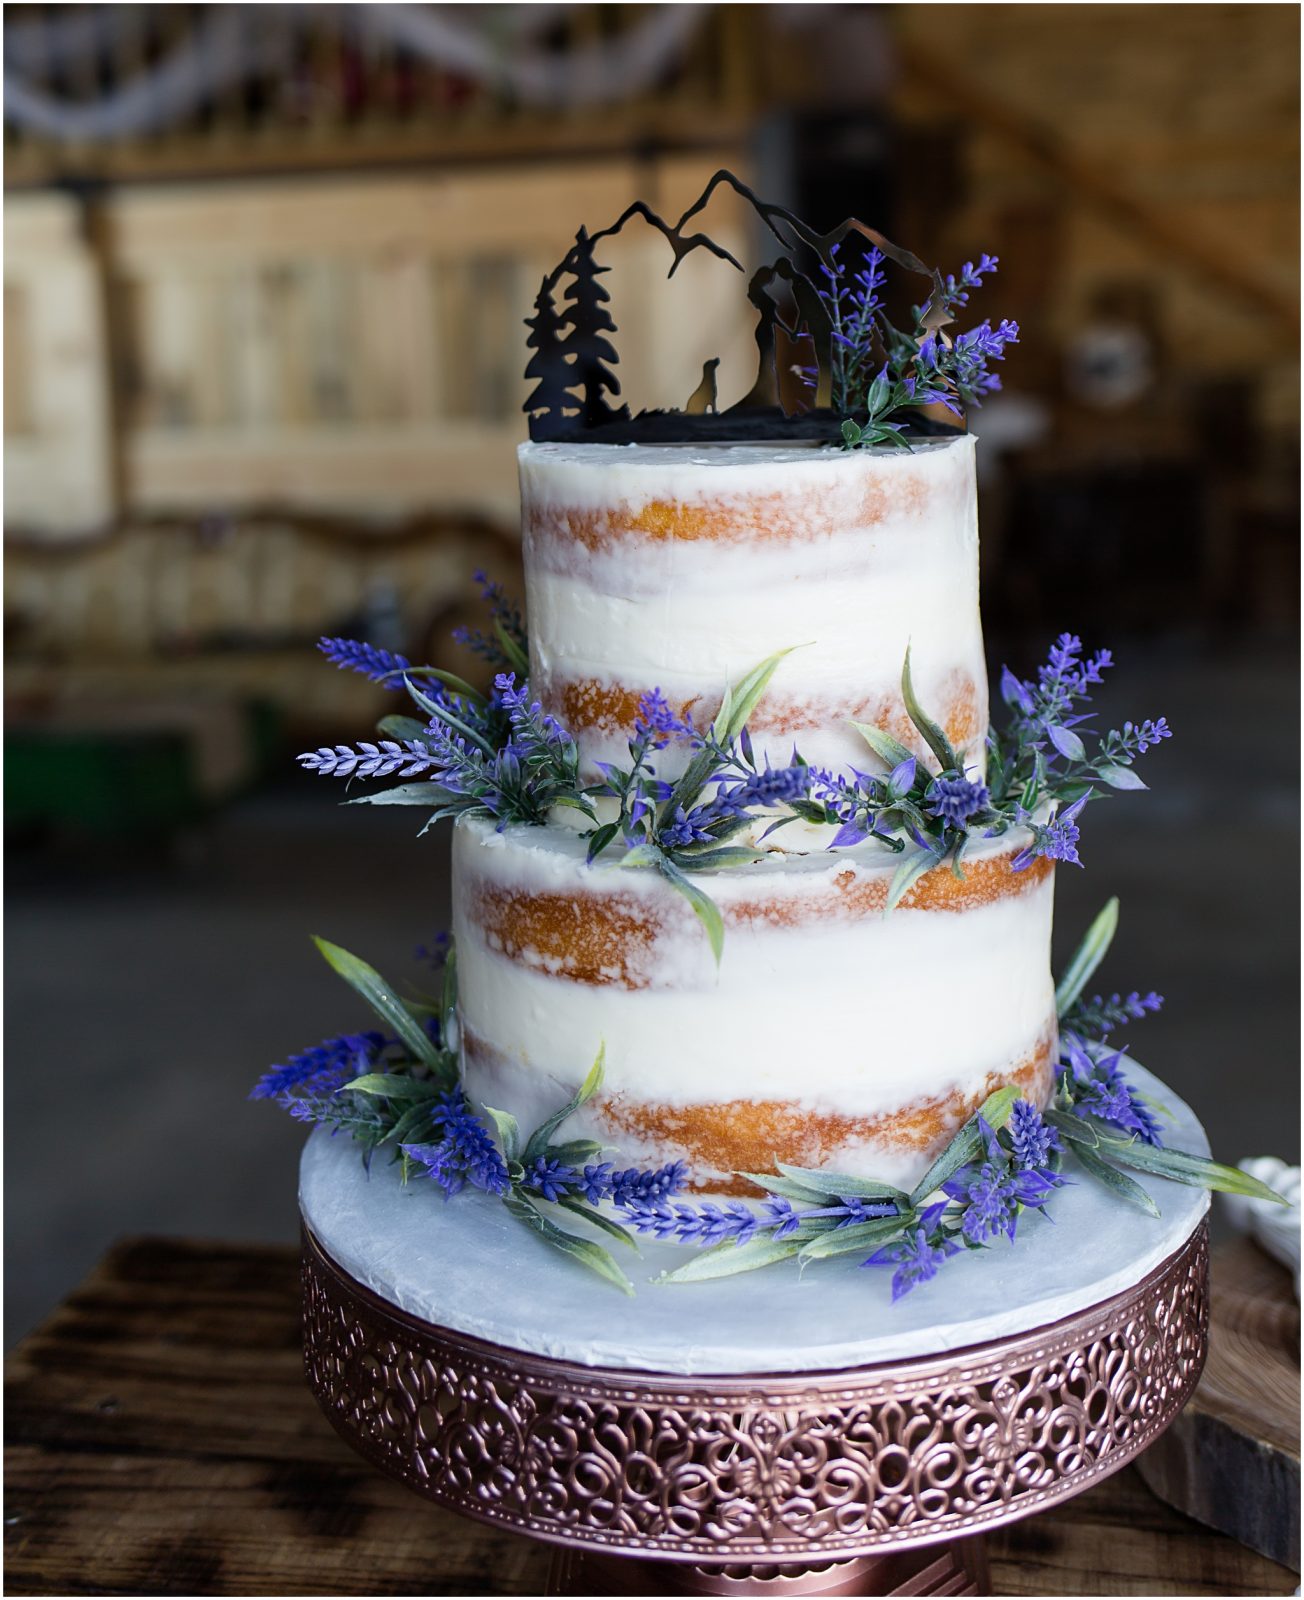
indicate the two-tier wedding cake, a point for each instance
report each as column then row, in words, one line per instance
column 816, row 1039
column 752, row 900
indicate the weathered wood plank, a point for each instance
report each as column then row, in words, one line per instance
column 1232, row 1459
column 161, row 1440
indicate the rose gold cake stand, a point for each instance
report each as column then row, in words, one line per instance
column 875, row 1480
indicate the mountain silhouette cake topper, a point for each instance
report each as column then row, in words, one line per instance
column 831, row 365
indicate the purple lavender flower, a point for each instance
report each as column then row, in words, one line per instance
column 773, row 787
column 915, row 1258
column 956, row 799
column 854, row 1209
column 695, row 826
column 603, row 1182
column 1099, row 1015
column 658, row 724
column 990, row 1203
column 703, row 1225
column 323, row 1069
column 551, row 1178
column 955, row 292
column 370, row 660
column 466, row 1153
column 1057, row 839
column 383, row 759
column 595, row 1182
column 1033, row 1139
column 502, row 612
column 1106, row 1093
column 781, row 1216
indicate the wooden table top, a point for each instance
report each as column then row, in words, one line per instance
column 161, row 1440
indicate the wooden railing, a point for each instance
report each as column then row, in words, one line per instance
column 313, row 87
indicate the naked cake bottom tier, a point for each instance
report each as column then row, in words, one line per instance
column 830, row 1034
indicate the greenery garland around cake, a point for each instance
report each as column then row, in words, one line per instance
column 398, row 1093
column 501, row 756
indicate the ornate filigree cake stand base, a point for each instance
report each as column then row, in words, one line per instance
column 870, row 1480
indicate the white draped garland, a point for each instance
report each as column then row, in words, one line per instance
column 495, row 45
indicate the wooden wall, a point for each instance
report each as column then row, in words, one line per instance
column 353, row 344
column 1157, row 144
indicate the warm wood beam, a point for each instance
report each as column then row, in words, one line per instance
column 1214, row 261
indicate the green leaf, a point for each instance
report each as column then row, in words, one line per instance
column 404, row 794
column 1087, row 957
column 1127, row 1188
column 1196, row 1172
column 396, row 1086
column 441, row 713
column 382, row 1000
column 574, row 1152
column 594, row 1216
column 708, row 913
column 575, row 803
column 727, row 1260
column 839, row 1184
column 585, row 1251
column 1119, row 777
column 850, row 433
column 740, row 701
column 516, row 657
column 876, row 398
column 544, row 1132
column 415, row 1119
column 931, row 732
column 450, row 680
column 803, row 1193
column 708, row 860
column 508, row 1131
column 911, row 869
column 395, row 726
column 860, row 1236
column 601, row 838
column 995, row 1111
column 884, row 746
column 642, row 855
column 885, row 433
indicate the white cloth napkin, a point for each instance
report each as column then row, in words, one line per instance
column 1276, row 1228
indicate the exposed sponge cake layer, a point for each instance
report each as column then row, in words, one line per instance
column 830, row 1034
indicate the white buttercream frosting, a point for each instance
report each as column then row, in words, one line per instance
column 830, row 1009
column 682, row 567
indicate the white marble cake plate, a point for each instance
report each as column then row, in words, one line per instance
column 466, row 1265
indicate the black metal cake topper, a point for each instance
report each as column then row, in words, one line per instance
column 573, row 358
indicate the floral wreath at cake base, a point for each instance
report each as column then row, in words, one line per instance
column 401, row 1092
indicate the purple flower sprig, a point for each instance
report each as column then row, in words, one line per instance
column 1041, row 768
column 1101, row 1015
column 506, row 759
column 1093, row 1084
column 461, row 1150
column 322, row 1069
column 878, row 373
column 1016, row 1168
column 505, row 646
column 685, row 824
column 355, row 655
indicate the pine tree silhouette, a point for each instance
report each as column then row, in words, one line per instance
column 586, row 307
column 550, row 365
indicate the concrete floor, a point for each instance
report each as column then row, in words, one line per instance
column 144, row 998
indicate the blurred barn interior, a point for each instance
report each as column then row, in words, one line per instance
column 265, row 276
